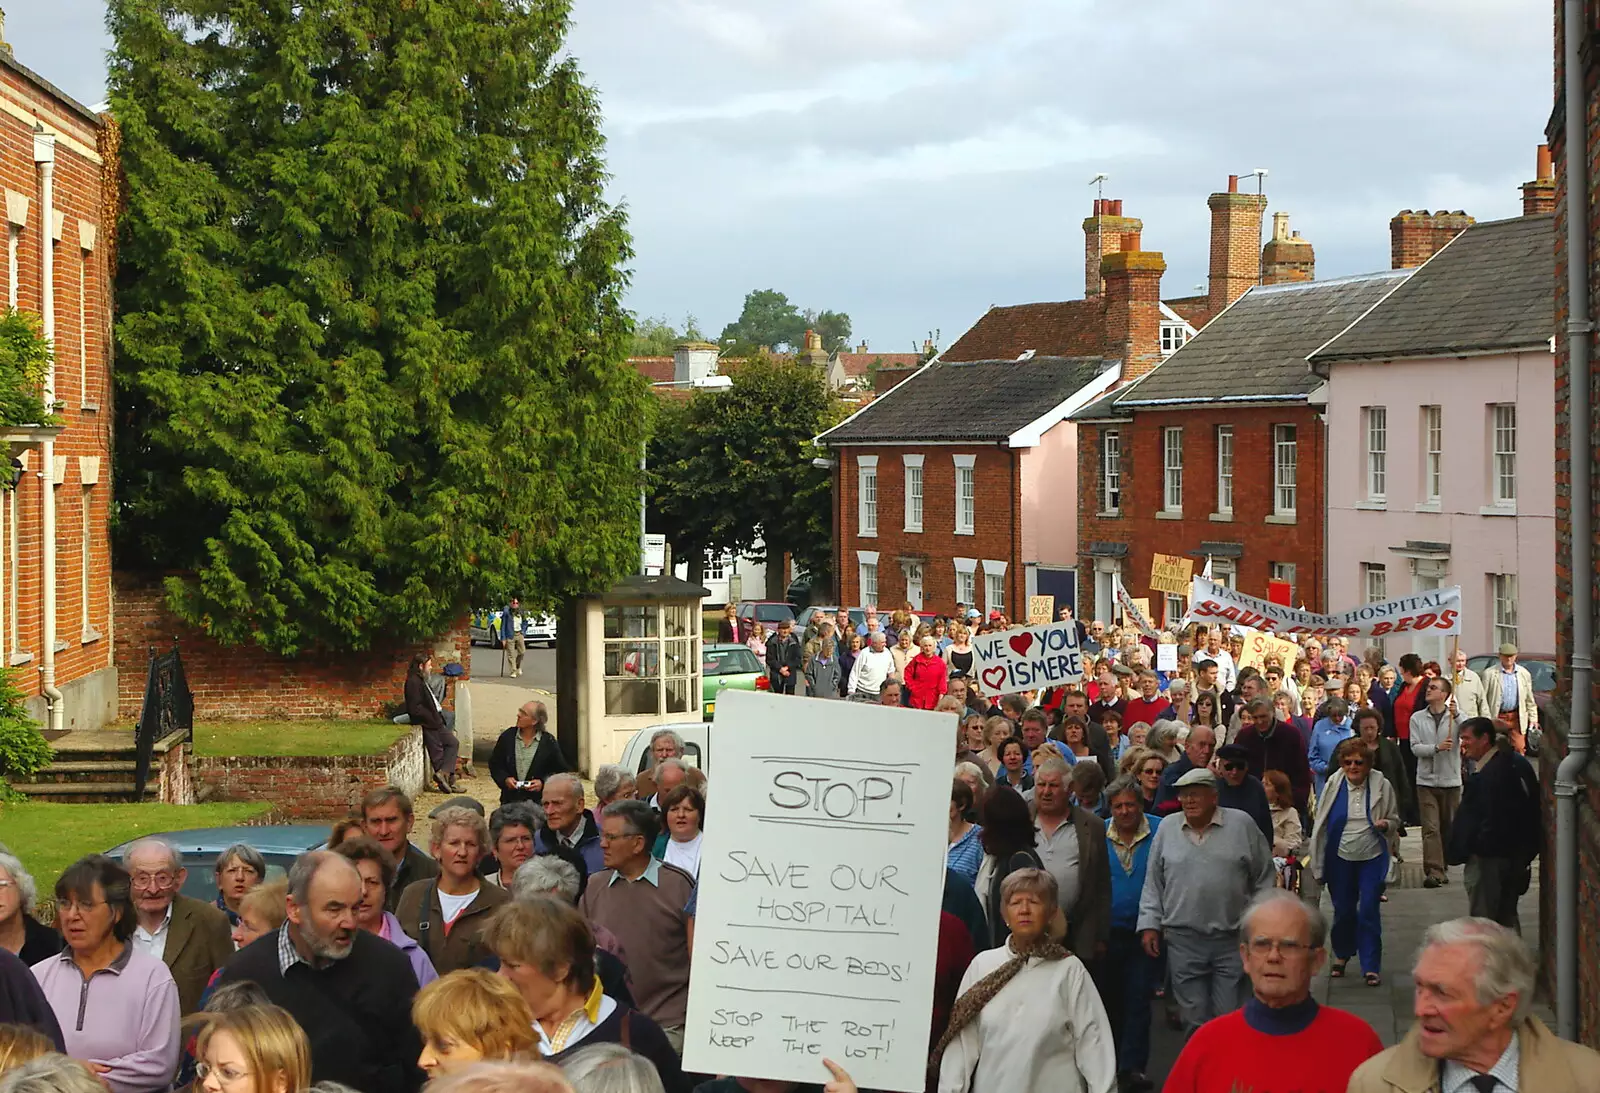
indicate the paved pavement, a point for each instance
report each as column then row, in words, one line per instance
column 1406, row 917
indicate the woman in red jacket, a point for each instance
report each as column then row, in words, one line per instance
column 927, row 676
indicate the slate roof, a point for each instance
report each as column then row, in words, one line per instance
column 977, row 400
column 1066, row 328
column 1492, row 289
column 1257, row 348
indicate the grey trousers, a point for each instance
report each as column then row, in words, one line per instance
column 1493, row 885
column 1208, row 977
column 1438, row 806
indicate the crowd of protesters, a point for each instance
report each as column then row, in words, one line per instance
column 1147, row 841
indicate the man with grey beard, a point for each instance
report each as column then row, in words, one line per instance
column 350, row 990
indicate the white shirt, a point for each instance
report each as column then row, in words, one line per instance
column 870, row 671
column 686, row 855
column 1045, row 1030
column 1455, row 1078
column 153, row 944
column 1359, row 840
column 1227, row 671
column 451, row 906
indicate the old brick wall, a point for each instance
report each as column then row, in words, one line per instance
column 244, row 682
column 1556, row 734
column 313, row 787
column 997, row 524
column 1146, row 533
column 82, row 327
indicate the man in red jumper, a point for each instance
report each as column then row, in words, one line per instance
column 1281, row 1039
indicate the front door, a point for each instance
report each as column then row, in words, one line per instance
column 914, row 585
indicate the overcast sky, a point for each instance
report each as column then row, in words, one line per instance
column 913, row 162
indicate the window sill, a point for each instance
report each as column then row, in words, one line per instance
column 89, row 636
column 865, row 534
column 1221, row 517
column 1427, row 506
column 965, row 531
column 62, row 646
column 21, row 658
column 1498, row 510
column 1371, row 506
column 90, row 407
column 1110, row 514
column 912, row 531
column 1284, row 518
column 1169, row 514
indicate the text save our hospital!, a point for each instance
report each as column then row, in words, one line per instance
column 1028, row 659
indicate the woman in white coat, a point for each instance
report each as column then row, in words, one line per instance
column 1028, row 1016
column 1352, row 840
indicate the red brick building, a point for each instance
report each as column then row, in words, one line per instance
column 57, row 158
column 1218, row 453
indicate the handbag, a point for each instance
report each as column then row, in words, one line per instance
column 1532, row 741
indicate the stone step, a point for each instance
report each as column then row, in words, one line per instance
column 82, row 793
column 77, row 772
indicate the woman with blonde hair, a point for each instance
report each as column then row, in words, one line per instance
column 471, row 1015
column 260, row 1043
column 20, row 1044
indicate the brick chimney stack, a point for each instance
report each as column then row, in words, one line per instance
column 1133, row 307
column 1103, row 230
column 1415, row 237
column 1539, row 196
column 1286, row 257
column 1235, row 244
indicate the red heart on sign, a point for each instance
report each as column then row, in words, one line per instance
column 994, row 678
column 1022, row 643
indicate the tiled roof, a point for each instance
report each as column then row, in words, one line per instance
column 654, row 369
column 1069, row 328
column 1194, row 310
column 1492, row 288
column 1257, row 348
column 978, row 400
column 856, row 364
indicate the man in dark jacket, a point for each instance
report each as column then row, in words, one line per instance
column 387, row 816
column 1238, row 788
column 22, row 1000
column 1496, row 829
column 570, row 829
column 1273, row 745
column 784, row 658
column 525, row 755
column 350, row 990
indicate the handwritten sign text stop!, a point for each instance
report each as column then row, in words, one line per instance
column 1025, row 660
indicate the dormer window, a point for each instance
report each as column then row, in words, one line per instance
column 1173, row 335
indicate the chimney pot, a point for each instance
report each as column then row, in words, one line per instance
column 1545, row 169
column 1233, row 184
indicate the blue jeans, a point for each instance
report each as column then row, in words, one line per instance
column 1354, row 887
column 1129, row 979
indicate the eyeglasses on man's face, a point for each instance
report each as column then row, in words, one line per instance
column 1283, row 946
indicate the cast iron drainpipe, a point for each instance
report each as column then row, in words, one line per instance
column 1581, row 446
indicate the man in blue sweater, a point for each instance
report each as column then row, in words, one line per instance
column 1130, row 972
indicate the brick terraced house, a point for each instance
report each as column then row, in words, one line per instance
column 57, row 159
column 1218, row 452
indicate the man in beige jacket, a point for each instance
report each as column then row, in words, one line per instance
column 1508, row 689
column 1461, row 1044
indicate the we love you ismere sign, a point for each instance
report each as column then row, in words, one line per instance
column 1030, row 659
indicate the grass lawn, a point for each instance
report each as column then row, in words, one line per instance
column 296, row 737
column 49, row 837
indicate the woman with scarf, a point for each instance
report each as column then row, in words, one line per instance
column 1028, row 1015
column 1357, row 826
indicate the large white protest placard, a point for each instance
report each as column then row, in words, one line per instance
column 1027, row 659
column 820, row 886
column 1434, row 612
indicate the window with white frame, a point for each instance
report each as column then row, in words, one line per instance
column 867, row 562
column 717, row 564
column 867, row 499
column 966, row 494
column 1224, row 572
column 1377, row 430
column 1176, row 606
column 994, row 585
column 1172, row 469
column 1172, row 337
column 913, row 467
column 1374, row 582
column 1283, row 571
column 1432, row 452
column 1110, row 471
column 1503, row 590
column 1285, row 469
column 652, row 658
column 1505, row 453
column 1224, row 469
column 967, row 581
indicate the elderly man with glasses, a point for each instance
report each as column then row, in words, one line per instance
column 191, row 937
column 1282, row 1038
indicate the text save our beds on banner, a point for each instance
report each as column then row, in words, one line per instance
column 1028, row 659
column 821, row 880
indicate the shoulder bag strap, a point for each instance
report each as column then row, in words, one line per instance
column 424, row 917
column 626, row 1030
